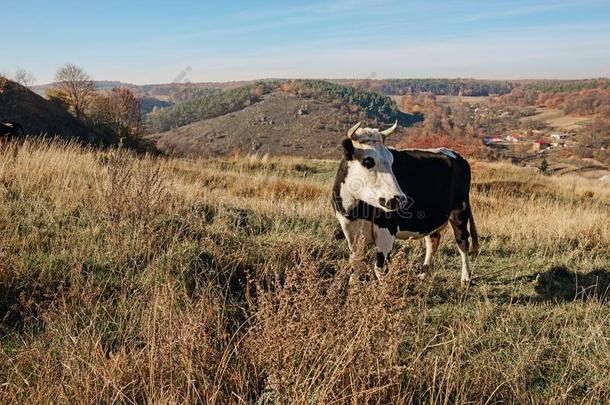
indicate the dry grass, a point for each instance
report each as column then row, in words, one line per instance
column 556, row 118
column 147, row 280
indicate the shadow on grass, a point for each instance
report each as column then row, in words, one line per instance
column 561, row 284
column 556, row 284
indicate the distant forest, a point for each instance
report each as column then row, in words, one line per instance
column 450, row 87
column 564, row 86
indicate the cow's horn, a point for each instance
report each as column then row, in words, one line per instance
column 353, row 130
column 390, row 130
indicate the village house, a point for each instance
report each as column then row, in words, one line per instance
column 540, row 145
column 491, row 140
column 515, row 137
column 559, row 136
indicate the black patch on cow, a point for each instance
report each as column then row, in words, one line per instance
column 380, row 260
column 348, row 149
column 339, row 180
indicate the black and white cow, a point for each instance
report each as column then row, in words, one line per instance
column 381, row 194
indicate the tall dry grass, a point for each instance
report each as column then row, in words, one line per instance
column 137, row 279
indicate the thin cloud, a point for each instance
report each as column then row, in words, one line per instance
column 490, row 57
column 514, row 12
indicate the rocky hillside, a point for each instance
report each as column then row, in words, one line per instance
column 284, row 121
column 39, row 116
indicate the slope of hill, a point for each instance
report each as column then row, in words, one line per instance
column 298, row 118
column 40, row 116
column 206, row 106
column 272, row 125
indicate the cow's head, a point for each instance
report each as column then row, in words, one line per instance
column 369, row 176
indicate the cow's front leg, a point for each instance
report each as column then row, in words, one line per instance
column 358, row 234
column 384, row 242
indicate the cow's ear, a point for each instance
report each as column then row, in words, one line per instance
column 348, row 148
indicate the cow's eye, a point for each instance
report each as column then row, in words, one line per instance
column 368, row 163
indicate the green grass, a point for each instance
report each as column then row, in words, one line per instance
column 140, row 279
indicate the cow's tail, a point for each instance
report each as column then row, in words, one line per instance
column 474, row 247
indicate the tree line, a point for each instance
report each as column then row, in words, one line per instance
column 564, row 86
column 450, row 87
column 372, row 104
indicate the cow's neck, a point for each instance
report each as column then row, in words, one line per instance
column 347, row 199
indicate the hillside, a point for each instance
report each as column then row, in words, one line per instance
column 302, row 118
column 272, row 125
column 167, row 280
column 39, row 116
column 280, row 124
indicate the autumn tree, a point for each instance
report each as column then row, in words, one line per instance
column 118, row 111
column 75, row 87
column 126, row 112
column 57, row 97
column 100, row 110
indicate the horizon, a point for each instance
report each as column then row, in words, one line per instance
column 341, row 39
column 263, row 79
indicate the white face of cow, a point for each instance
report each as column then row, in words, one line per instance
column 369, row 176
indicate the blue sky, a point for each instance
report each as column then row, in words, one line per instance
column 153, row 41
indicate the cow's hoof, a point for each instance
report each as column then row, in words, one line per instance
column 422, row 276
column 465, row 283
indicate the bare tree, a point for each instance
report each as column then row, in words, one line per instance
column 76, row 86
column 24, row 78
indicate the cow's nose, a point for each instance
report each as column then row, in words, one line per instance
column 392, row 203
column 402, row 199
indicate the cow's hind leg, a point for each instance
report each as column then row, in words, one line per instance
column 384, row 242
column 459, row 223
column 432, row 242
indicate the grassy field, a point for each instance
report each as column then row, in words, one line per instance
column 484, row 100
column 157, row 280
column 556, row 118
